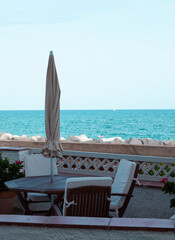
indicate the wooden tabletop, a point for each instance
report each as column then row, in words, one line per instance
column 39, row 184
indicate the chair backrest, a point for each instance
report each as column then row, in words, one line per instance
column 124, row 180
column 87, row 196
column 37, row 165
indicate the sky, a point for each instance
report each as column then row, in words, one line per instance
column 108, row 53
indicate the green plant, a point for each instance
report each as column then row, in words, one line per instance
column 9, row 171
column 169, row 187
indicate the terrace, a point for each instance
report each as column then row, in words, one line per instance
column 147, row 214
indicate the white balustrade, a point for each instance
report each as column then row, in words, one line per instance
column 152, row 168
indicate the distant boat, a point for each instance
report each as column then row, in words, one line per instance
column 114, row 109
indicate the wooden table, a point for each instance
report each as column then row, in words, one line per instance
column 39, row 184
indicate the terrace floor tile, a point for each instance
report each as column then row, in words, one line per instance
column 142, row 224
column 79, row 222
column 23, row 220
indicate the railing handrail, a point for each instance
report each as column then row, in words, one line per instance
column 109, row 156
column 120, row 156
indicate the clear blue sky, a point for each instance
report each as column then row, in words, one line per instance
column 108, row 53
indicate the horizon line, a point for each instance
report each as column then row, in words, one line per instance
column 107, row 109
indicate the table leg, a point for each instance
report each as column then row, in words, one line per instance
column 59, row 198
column 24, row 204
column 56, row 201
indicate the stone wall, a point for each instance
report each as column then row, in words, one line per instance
column 164, row 151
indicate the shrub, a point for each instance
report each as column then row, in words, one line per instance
column 9, row 171
column 169, row 187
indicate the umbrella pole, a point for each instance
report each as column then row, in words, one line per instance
column 51, row 169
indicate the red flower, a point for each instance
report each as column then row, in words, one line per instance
column 163, row 180
column 18, row 162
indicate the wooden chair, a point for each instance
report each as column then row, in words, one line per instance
column 37, row 165
column 86, row 197
column 123, row 186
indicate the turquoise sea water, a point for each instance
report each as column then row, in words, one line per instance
column 155, row 124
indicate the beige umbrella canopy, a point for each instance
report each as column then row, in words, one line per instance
column 52, row 147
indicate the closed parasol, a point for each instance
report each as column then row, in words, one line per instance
column 52, row 148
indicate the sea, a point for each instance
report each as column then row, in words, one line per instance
column 155, row 124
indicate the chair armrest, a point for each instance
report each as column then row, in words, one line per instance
column 122, row 194
column 56, row 211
